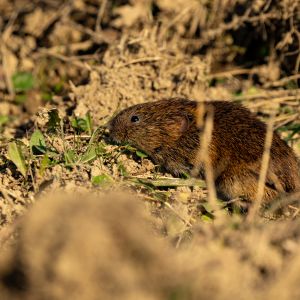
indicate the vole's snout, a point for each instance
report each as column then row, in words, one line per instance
column 109, row 125
column 114, row 131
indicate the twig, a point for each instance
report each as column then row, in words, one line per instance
column 270, row 95
column 139, row 60
column 277, row 100
column 282, row 81
column 100, row 15
column 285, row 121
column 76, row 63
column 232, row 73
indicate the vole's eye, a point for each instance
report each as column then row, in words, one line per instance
column 135, row 119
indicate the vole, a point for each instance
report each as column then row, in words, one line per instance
column 169, row 131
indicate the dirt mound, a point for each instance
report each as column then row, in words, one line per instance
column 88, row 247
column 84, row 246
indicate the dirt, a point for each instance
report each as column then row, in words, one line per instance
column 65, row 68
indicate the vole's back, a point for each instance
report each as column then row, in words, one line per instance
column 239, row 137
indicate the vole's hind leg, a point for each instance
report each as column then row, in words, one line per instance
column 243, row 183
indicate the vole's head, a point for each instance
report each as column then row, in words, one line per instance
column 152, row 125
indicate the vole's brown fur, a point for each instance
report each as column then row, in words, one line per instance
column 169, row 132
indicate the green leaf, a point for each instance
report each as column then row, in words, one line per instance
column 47, row 96
column 89, row 123
column 58, row 87
column 101, row 149
column 122, row 170
column 89, row 155
column 141, row 154
column 83, row 124
column 37, row 143
column 185, row 175
column 207, row 207
column 54, row 120
column 130, row 148
column 21, row 99
column 45, row 163
column 3, row 120
column 16, row 156
column 101, row 180
column 94, row 135
column 79, row 124
column 292, row 85
column 70, row 157
column 23, row 81
column 206, row 218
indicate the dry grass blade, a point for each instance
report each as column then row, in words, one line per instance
column 231, row 73
column 169, row 182
column 100, row 15
column 140, row 60
column 282, row 81
column 202, row 157
column 74, row 62
column 263, row 172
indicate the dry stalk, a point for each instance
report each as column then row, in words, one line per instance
column 263, row 171
column 282, row 81
column 140, row 60
column 100, row 15
column 233, row 72
column 202, row 157
column 270, row 94
column 76, row 63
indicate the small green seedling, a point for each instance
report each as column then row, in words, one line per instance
column 16, row 156
column 37, row 143
column 23, row 81
column 101, row 180
column 54, row 120
column 83, row 124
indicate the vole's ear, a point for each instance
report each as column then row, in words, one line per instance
column 185, row 122
column 179, row 125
